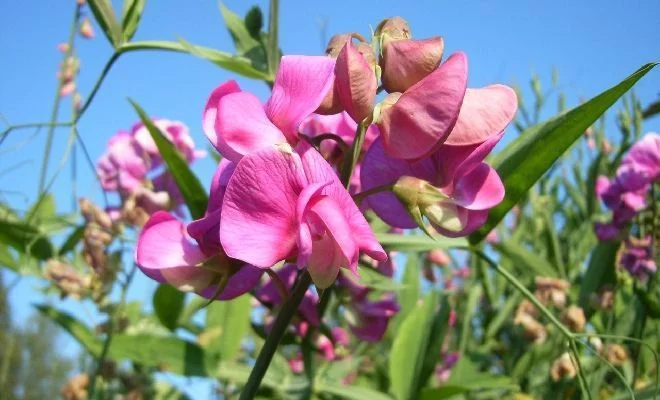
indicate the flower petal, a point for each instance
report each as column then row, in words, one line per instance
column 355, row 82
column 474, row 219
column 210, row 114
column 485, row 112
column 300, row 86
column 246, row 279
column 259, row 209
column 423, row 116
column 481, row 189
column 242, row 127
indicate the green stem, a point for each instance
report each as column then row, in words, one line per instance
column 97, row 85
column 638, row 350
column 580, row 371
column 56, row 105
column 108, row 339
column 273, row 37
column 350, row 159
column 272, row 341
column 363, row 195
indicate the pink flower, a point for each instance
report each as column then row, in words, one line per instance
column 468, row 185
column 191, row 258
column 122, row 167
column 237, row 123
column 288, row 204
column 355, row 80
column 439, row 257
column 645, row 156
column 406, row 62
column 373, row 318
column 174, row 131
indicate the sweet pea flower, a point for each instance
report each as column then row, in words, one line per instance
column 289, row 204
column 190, row 257
column 637, row 258
column 645, row 156
column 355, row 80
column 373, row 318
column 122, row 167
column 237, row 123
column 466, row 187
column 174, row 131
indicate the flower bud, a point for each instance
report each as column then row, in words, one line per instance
column 438, row 257
column 336, row 43
column 355, row 81
column 76, row 388
column 63, row 47
column 574, row 318
column 67, row 89
column 616, row 354
column 394, row 28
column 406, row 62
column 563, row 367
column 86, row 29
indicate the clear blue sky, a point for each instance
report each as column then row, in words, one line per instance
column 593, row 44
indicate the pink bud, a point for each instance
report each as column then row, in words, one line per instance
column 86, row 29
column 452, row 318
column 394, row 28
column 63, row 47
column 591, row 143
column 336, row 43
column 492, row 237
column 606, row 146
column 355, row 81
column 77, row 101
column 67, row 89
column 406, row 62
column 438, row 257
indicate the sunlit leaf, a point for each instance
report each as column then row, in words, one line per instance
column 168, row 304
column 407, row 243
column 25, row 239
column 191, row 189
column 105, row 17
column 227, row 323
column 130, row 18
column 525, row 259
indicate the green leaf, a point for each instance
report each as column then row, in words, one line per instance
column 349, row 392
column 408, row 243
column 130, row 17
column 25, row 239
column 525, row 259
column 371, row 278
column 105, row 17
column 409, row 294
column 436, row 340
column 254, row 22
column 529, row 156
column 247, row 38
column 72, row 240
column 601, row 270
column 167, row 353
column 227, row 323
column 234, row 63
column 409, row 349
column 168, row 304
column 7, row 259
column 192, row 190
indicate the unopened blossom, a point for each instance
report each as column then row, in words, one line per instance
column 63, row 47
column 616, row 354
column 443, row 370
column 76, row 388
column 637, row 258
column 406, row 61
column 574, row 318
column 551, row 291
column 438, row 257
column 525, row 308
column 291, row 204
column 67, row 89
column 355, row 80
column 532, row 329
column 66, row 279
column 604, row 299
column 563, row 368
column 190, row 257
column 86, row 29
column 372, row 318
column 237, row 123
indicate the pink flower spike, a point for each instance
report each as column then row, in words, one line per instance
column 421, row 119
column 289, row 204
column 485, row 112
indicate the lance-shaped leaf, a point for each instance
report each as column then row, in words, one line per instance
column 130, row 18
column 405, row 243
column 227, row 323
column 526, row 259
column 105, row 17
column 528, row 157
column 25, row 239
column 168, row 304
column 192, row 190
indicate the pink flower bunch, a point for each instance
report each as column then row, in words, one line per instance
column 132, row 166
column 277, row 196
column 627, row 195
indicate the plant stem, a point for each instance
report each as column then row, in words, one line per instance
column 351, row 158
column 359, row 197
column 273, row 37
column 56, row 104
column 97, row 85
column 272, row 341
column 108, row 339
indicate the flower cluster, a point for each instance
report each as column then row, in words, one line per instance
column 283, row 191
column 627, row 195
column 132, row 167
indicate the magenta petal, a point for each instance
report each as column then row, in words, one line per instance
column 481, row 189
column 485, row 112
column 422, row 118
column 475, row 219
column 246, row 279
column 259, row 209
column 242, row 127
column 318, row 170
column 210, row 114
column 304, row 240
column 355, row 83
column 300, row 86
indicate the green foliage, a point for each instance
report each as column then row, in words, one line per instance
column 547, row 142
column 168, row 304
column 191, row 189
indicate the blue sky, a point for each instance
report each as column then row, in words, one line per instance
column 593, row 44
